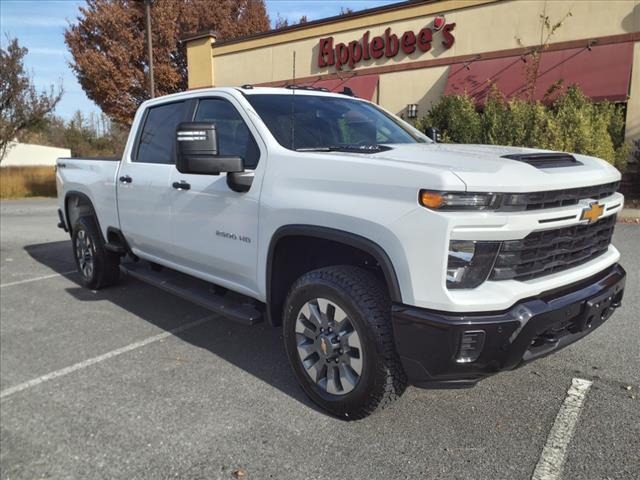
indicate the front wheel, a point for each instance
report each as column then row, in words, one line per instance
column 339, row 341
column 97, row 266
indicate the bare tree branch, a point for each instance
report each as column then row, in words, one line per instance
column 21, row 106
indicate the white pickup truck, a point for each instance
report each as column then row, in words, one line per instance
column 387, row 258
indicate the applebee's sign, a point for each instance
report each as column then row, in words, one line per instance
column 387, row 45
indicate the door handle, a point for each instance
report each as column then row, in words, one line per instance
column 125, row 179
column 182, row 185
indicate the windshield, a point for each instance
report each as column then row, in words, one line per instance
column 314, row 122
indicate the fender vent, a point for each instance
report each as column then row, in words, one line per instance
column 545, row 160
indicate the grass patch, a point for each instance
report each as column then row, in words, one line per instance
column 20, row 182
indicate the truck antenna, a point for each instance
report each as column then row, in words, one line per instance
column 293, row 98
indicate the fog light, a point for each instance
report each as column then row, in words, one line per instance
column 471, row 344
column 470, row 263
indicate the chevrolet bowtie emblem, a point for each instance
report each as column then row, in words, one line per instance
column 593, row 212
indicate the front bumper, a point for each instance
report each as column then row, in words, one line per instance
column 429, row 341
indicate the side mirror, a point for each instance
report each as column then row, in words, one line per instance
column 197, row 151
column 433, row 133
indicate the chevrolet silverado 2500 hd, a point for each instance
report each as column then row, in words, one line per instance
column 388, row 259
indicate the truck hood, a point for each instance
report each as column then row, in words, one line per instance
column 483, row 168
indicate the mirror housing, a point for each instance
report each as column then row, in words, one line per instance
column 433, row 133
column 197, row 151
column 240, row 182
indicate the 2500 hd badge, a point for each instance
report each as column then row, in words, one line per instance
column 233, row 236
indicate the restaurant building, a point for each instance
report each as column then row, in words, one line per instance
column 405, row 56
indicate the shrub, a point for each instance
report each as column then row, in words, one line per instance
column 572, row 123
column 578, row 126
column 457, row 119
column 497, row 128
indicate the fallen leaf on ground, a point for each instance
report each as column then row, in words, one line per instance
column 239, row 473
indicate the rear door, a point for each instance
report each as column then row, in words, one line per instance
column 144, row 182
column 216, row 229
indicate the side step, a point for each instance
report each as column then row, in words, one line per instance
column 226, row 303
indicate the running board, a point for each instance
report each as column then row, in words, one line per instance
column 224, row 302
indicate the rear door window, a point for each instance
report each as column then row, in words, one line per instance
column 156, row 144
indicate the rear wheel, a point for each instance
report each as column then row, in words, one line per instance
column 98, row 267
column 339, row 341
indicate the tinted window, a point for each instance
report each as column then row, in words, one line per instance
column 314, row 121
column 234, row 137
column 158, row 133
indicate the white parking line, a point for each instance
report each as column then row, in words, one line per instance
column 86, row 363
column 554, row 453
column 44, row 277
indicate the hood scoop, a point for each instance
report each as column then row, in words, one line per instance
column 545, row 160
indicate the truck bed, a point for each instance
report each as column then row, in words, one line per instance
column 94, row 178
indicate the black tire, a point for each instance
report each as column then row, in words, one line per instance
column 365, row 301
column 105, row 266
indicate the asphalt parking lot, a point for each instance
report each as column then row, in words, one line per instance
column 145, row 385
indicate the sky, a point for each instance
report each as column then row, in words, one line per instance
column 39, row 26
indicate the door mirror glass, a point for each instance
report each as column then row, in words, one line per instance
column 198, row 150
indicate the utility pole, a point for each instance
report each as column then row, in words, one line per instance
column 147, row 11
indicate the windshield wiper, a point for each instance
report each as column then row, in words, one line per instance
column 346, row 148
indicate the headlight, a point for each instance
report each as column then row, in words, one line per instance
column 459, row 200
column 470, row 262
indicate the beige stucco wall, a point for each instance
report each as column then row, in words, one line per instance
column 484, row 28
column 200, row 62
column 632, row 127
column 422, row 87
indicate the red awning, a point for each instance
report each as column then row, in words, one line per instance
column 363, row 86
column 603, row 73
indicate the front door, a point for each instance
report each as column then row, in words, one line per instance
column 215, row 229
column 144, row 183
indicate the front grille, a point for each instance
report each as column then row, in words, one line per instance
column 549, row 251
column 556, row 198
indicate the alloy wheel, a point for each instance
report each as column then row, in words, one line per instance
column 84, row 254
column 329, row 346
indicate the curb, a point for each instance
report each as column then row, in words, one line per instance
column 629, row 215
